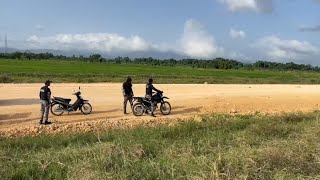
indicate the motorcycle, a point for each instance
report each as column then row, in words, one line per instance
column 143, row 105
column 59, row 105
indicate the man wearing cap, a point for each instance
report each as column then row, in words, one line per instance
column 127, row 94
column 45, row 95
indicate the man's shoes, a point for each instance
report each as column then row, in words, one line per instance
column 153, row 115
column 47, row 122
column 70, row 109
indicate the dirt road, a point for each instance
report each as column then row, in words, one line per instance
column 19, row 104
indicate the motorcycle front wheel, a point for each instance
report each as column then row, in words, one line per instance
column 138, row 109
column 57, row 109
column 165, row 108
column 86, row 108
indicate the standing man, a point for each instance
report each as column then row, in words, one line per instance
column 149, row 88
column 127, row 94
column 45, row 96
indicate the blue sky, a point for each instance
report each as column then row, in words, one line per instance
column 273, row 30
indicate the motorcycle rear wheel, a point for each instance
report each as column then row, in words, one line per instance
column 57, row 109
column 138, row 109
column 86, row 108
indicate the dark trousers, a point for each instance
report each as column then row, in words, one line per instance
column 153, row 104
column 125, row 101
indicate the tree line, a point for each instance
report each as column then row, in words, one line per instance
column 217, row 63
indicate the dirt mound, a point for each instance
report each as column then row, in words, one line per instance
column 84, row 127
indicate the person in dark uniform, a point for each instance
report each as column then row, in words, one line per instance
column 127, row 94
column 149, row 88
column 45, row 95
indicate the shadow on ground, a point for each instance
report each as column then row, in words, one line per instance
column 184, row 110
column 17, row 118
column 14, row 116
column 15, row 102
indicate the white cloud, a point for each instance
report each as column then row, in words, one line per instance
column 237, row 34
column 39, row 27
column 311, row 29
column 249, row 5
column 104, row 42
column 236, row 55
column 197, row 42
column 278, row 49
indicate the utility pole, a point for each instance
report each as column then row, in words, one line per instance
column 5, row 44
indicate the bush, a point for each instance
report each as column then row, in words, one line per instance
column 5, row 78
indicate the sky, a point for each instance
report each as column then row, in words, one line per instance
column 246, row 30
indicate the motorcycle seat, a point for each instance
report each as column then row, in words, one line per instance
column 145, row 99
column 62, row 99
column 140, row 99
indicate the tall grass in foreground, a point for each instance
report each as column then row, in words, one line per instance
column 282, row 146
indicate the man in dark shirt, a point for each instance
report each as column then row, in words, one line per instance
column 45, row 95
column 149, row 88
column 127, row 94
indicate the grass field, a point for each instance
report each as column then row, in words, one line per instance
column 27, row 71
column 284, row 146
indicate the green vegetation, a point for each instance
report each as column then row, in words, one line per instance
column 282, row 146
column 217, row 63
column 74, row 71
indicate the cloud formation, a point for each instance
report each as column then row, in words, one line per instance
column 197, row 42
column 237, row 34
column 311, row 29
column 278, row 49
column 104, row 42
column 261, row 6
column 39, row 27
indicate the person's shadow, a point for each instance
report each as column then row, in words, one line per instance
column 183, row 110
